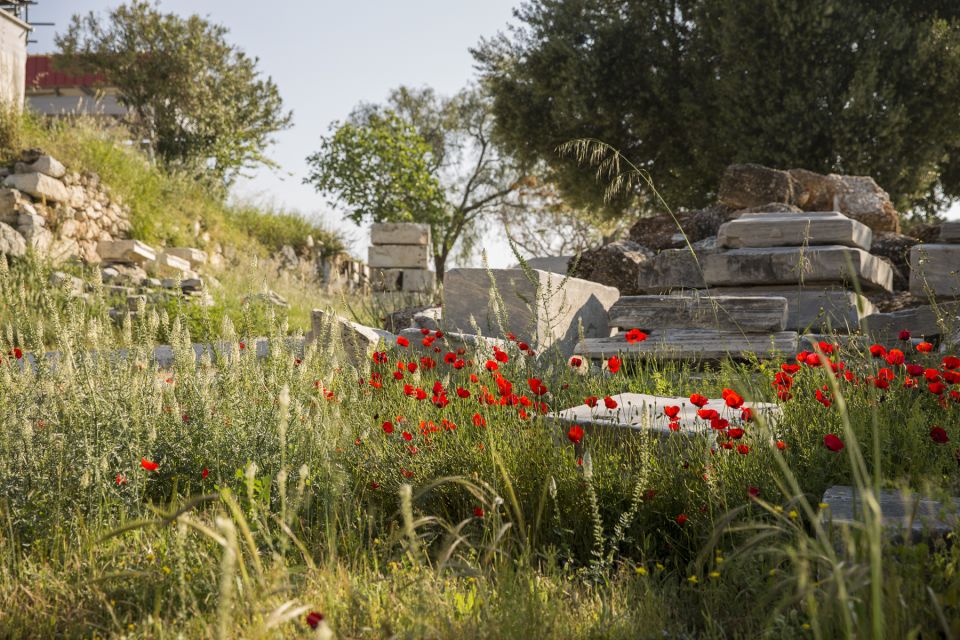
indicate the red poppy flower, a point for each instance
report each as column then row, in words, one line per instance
column 937, row 388
column 17, row 353
column 314, row 618
column 823, row 398
column 790, row 369
column 904, row 335
column 674, row 425
column 403, row 342
column 387, row 427
column 575, row 434
column 120, row 479
column 479, row 420
column 609, row 402
column 591, row 401
column 951, row 362
column 895, row 357
column 575, row 362
column 374, row 485
column 925, row 347
column 635, row 335
column 743, row 449
column 243, row 346
column 613, row 364
column 407, row 436
column 746, row 414
column 877, row 350
column 733, row 399
column 699, row 400
column 682, row 519
column 781, row 445
column 491, row 365
column 523, row 346
column 501, row 356
column 478, row 512
column 735, row 433
column 832, row 442
column 939, row 435
column 406, row 473
column 462, row 393
column 205, row 473
column 671, row 411
column 148, row 465
column 537, row 386
column 707, row 414
column 753, row 492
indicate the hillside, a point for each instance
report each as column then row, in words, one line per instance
column 167, row 210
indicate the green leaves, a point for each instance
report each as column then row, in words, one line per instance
column 380, row 170
column 199, row 102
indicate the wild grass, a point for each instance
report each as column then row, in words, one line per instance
column 278, row 491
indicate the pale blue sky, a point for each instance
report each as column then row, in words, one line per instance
column 326, row 56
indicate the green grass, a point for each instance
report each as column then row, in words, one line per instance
column 308, row 504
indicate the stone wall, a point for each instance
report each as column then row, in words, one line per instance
column 60, row 214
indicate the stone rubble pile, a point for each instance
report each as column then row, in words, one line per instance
column 399, row 258
column 57, row 213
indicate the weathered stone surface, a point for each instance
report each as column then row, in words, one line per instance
column 398, row 257
column 38, row 185
column 661, row 231
column 749, row 185
column 617, row 264
column 672, row 270
column 357, row 341
column 48, row 165
column 553, row 264
column 895, row 247
column 642, row 413
column 811, row 307
column 11, row 242
column 271, row 298
column 794, row 230
column 387, row 233
column 12, row 204
column 920, row 517
column 861, row 198
column 195, row 257
column 166, row 264
column 406, row 318
column 950, row 232
column 935, row 268
column 452, row 340
column 787, row 265
column 921, row 321
column 748, row 314
column 693, row 344
column 415, row 280
column 536, row 308
column 126, row 251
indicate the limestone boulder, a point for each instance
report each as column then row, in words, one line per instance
column 48, row 165
column 39, row 185
column 11, row 242
column 12, row 204
column 617, row 264
column 663, row 231
column 750, row 185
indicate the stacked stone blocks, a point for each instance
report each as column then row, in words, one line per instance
column 399, row 258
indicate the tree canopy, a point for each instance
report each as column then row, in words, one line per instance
column 418, row 158
column 685, row 87
column 200, row 103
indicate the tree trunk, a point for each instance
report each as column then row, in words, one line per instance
column 439, row 260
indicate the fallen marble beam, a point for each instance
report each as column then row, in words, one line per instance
column 812, row 228
column 693, row 344
column 749, row 314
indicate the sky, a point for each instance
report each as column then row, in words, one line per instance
column 326, row 56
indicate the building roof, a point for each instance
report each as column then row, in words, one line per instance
column 42, row 77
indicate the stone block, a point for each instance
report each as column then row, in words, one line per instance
column 12, row 204
column 693, row 344
column 638, row 413
column 451, row 341
column 553, row 264
column 923, row 321
column 11, row 242
column 166, row 264
column 388, row 233
column 790, row 265
column 671, row 270
column 125, row 251
column 811, row 307
column 748, row 314
column 910, row 515
column 38, row 185
column 935, row 268
column 794, row 230
column 535, row 307
column 416, row 280
column 195, row 257
column 950, row 232
column 750, row 185
column 48, row 165
column 357, row 341
column 399, row 256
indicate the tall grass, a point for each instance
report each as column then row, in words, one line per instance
column 492, row 528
